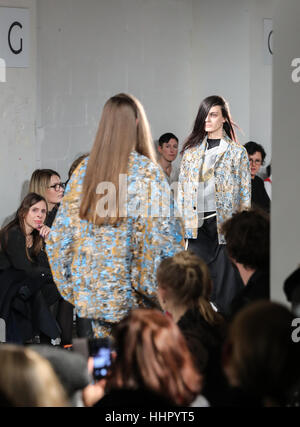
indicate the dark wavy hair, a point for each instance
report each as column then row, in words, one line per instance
column 152, row 353
column 260, row 354
column 19, row 221
column 247, row 237
column 198, row 133
column 166, row 138
column 252, row 147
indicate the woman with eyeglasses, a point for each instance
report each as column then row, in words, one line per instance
column 48, row 184
column 259, row 196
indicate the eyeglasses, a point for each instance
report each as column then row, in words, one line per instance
column 256, row 162
column 57, row 187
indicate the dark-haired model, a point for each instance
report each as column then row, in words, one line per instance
column 216, row 168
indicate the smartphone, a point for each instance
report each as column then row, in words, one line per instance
column 100, row 350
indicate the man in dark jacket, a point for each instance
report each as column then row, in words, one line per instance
column 259, row 196
column 247, row 235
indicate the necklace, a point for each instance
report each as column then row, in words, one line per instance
column 29, row 241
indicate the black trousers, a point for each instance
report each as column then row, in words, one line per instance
column 62, row 311
column 65, row 321
column 225, row 276
column 84, row 327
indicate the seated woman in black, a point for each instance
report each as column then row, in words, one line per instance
column 27, row 290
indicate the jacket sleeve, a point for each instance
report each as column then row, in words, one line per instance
column 155, row 236
column 245, row 182
column 183, row 173
column 65, row 237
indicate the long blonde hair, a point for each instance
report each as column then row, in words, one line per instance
column 188, row 281
column 28, row 380
column 40, row 181
column 123, row 128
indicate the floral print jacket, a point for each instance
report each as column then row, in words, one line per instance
column 232, row 184
column 105, row 271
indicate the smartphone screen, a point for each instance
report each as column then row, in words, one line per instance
column 100, row 351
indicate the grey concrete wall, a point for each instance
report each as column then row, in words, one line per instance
column 17, row 123
column 285, row 255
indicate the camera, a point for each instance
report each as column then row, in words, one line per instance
column 100, row 350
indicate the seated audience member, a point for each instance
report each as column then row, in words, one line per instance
column 27, row 292
column 27, row 379
column 260, row 359
column 291, row 289
column 168, row 150
column 268, row 182
column 247, row 237
column 47, row 183
column 259, row 196
column 153, row 366
column 184, row 290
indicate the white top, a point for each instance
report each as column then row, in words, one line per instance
column 210, row 156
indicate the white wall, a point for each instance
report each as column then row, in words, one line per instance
column 260, row 93
column 169, row 53
column 221, row 52
column 285, row 256
column 90, row 50
column 17, row 123
column 228, row 60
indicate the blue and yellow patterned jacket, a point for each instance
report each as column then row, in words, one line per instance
column 106, row 271
column 232, row 184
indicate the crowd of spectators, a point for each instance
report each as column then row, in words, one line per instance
column 171, row 346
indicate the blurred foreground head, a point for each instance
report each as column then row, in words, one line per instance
column 260, row 356
column 27, row 379
column 152, row 354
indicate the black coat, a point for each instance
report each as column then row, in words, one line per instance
column 25, row 311
column 257, row 288
column 205, row 342
column 259, row 196
column 26, row 291
column 13, row 256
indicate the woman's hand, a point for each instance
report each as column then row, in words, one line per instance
column 92, row 393
column 44, row 231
